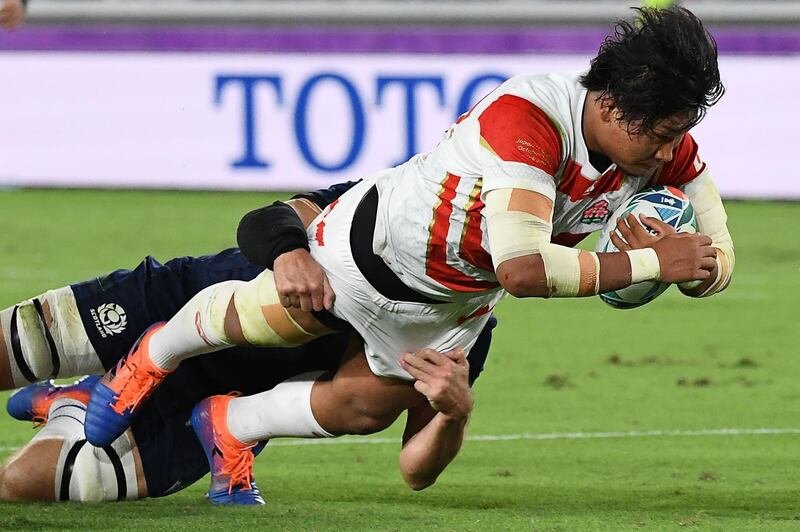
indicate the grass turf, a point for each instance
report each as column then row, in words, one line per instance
column 555, row 367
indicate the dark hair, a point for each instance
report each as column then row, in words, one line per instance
column 663, row 65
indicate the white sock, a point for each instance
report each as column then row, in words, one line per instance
column 197, row 328
column 284, row 411
column 65, row 420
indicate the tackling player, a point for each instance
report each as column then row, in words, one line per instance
column 161, row 454
column 82, row 328
column 418, row 255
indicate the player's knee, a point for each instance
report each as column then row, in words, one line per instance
column 233, row 327
column 19, row 483
column 26, row 334
column 44, row 337
column 93, row 474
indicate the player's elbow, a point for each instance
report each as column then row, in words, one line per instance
column 417, row 481
column 524, row 276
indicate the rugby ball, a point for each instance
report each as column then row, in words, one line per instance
column 668, row 204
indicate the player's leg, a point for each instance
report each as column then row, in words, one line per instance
column 86, row 327
column 58, row 464
column 311, row 405
column 350, row 401
column 222, row 315
column 43, row 338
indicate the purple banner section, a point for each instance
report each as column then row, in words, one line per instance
column 467, row 40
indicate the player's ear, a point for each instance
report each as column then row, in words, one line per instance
column 608, row 110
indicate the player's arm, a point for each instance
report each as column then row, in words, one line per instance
column 434, row 432
column 275, row 237
column 521, row 153
column 529, row 265
column 712, row 221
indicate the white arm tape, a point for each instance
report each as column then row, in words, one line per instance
column 644, row 265
column 711, row 221
column 515, row 234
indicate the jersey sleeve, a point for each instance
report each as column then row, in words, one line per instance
column 684, row 167
column 520, row 146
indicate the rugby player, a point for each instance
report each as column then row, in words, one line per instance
column 84, row 327
column 417, row 256
column 161, row 454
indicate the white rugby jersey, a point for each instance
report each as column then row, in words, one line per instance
column 526, row 134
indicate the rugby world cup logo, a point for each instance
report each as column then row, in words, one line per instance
column 110, row 319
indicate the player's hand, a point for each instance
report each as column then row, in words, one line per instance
column 301, row 282
column 685, row 257
column 12, row 13
column 632, row 235
column 443, row 378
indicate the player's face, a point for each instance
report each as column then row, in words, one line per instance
column 638, row 153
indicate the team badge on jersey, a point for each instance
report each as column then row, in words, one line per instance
column 596, row 213
column 110, row 319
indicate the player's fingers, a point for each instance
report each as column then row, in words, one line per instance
column 703, row 240
column 456, row 355
column 317, row 296
column 708, row 263
column 422, row 387
column 328, row 296
column 434, row 357
column 624, row 229
column 294, row 300
column 619, row 243
column 659, row 226
column 306, row 303
column 708, row 251
column 414, row 360
column 702, row 275
column 418, row 374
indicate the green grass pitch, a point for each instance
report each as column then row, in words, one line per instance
column 572, row 369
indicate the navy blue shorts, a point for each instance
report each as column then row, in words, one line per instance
column 117, row 308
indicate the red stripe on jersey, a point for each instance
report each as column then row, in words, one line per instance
column 436, row 266
column 486, row 309
column 684, row 166
column 319, row 235
column 569, row 240
column 518, row 131
column 575, row 185
column 471, row 249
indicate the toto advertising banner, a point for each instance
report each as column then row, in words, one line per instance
column 296, row 121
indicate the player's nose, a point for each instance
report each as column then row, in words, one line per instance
column 664, row 153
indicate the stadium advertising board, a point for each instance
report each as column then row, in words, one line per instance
column 301, row 121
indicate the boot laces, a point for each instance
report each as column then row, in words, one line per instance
column 138, row 387
column 238, row 465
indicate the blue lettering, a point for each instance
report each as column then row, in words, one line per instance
column 410, row 85
column 250, row 158
column 465, row 101
column 301, row 122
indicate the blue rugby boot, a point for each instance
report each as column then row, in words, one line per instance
column 230, row 461
column 32, row 403
column 116, row 398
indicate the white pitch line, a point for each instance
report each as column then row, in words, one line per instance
column 545, row 436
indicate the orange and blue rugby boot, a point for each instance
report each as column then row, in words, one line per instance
column 231, row 461
column 117, row 397
column 32, row 403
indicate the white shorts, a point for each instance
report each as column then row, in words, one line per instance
column 389, row 328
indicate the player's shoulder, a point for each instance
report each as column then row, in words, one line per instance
column 529, row 118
